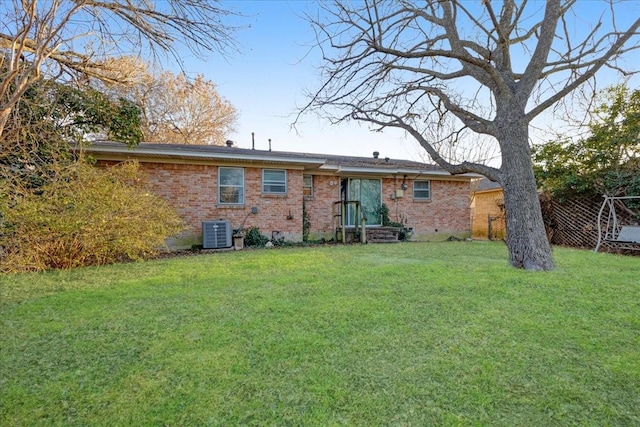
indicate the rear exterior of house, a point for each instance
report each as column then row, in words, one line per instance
column 272, row 190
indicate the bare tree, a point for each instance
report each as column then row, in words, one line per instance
column 494, row 66
column 183, row 111
column 78, row 37
column 460, row 144
column 175, row 109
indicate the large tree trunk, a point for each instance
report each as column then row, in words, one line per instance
column 526, row 237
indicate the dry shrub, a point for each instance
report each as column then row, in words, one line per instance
column 83, row 216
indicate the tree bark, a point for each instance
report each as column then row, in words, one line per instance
column 526, row 237
column 4, row 117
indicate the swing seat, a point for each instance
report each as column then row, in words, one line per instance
column 618, row 236
column 628, row 234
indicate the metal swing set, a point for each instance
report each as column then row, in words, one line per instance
column 612, row 231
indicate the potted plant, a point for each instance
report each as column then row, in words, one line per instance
column 238, row 239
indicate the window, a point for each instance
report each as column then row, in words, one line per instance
column 274, row 181
column 230, row 186
column 307, row 185
column 422, row 190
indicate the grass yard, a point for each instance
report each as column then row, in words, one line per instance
column 405, row 334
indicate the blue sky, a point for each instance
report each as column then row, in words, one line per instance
column 266, row 82
column 267, row 79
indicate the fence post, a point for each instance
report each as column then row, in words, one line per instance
column 343, row 220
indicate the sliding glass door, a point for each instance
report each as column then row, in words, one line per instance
column 369, row 193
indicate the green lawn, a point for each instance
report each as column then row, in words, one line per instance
column 405, row 334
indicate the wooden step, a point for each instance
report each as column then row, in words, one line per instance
column 383, row 235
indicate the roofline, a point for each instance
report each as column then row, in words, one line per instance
column 400, row 171
column 204, row 155
column 492, row 190
column 110, row 151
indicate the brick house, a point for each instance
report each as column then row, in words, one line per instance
column 265, row 189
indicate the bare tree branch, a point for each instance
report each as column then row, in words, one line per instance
column 401, row 64
column 77, row 37
column 464, row 167
column 592, row 67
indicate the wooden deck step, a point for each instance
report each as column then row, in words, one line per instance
column 383, row 235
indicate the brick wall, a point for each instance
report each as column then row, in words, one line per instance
column 446, row 214
column 320, row 208
column 192, row 191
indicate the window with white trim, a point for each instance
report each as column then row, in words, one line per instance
column 307, row 185
column 274, row 181
column 230, row 186
column 422, row 190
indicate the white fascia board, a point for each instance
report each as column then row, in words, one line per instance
column 193, row 154
column 411, row 173
column 408, row 172
column 332, row 168
column 360, row 170
column 469, row 175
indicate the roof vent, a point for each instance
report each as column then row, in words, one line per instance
column 376, row 154
column 229, row 143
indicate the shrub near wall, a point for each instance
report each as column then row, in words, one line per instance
column 83, row 216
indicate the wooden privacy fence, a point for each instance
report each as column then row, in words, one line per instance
column 572, row 222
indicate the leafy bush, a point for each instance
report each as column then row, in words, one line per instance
column 82, row 216
column 306, row 223
column 253, row 238
column 383, row 211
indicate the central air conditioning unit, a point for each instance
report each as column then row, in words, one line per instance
column 216, row 234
